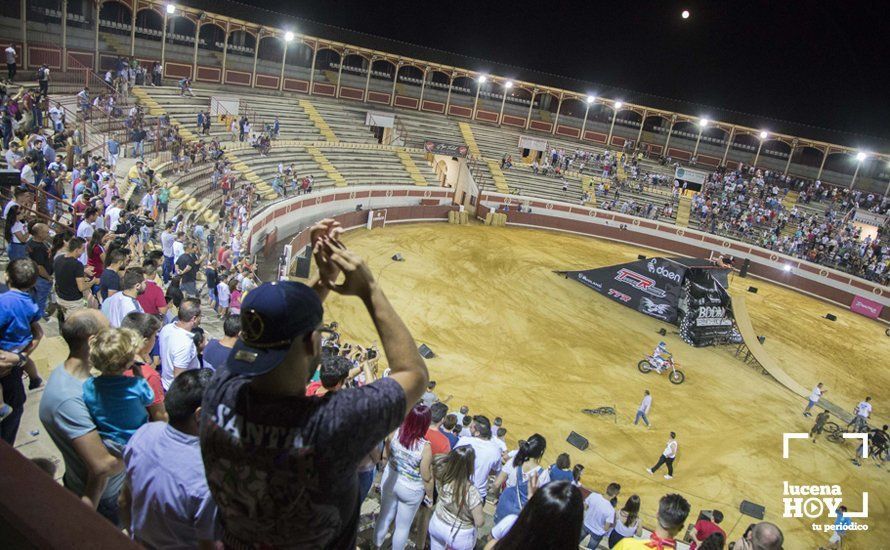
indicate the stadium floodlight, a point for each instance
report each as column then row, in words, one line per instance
column 288, row 36
column 171, row 9
column 618, row 104
column 508, row 84
column 685, row 14
column 704, row 122
column 591, row 99
column 860, row 156
column 763, row 134
column 787, row 267
column 482, row 78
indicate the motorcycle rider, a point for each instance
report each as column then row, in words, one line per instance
column 660, row 357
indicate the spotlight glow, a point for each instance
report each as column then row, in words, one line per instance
column 786, row 267
column 685, row 14
column 171, row 9
column 860, row 156
column 591, row 99
column 288, row 36
column 763, row 135
column 508, row 84
column 704, row 122
column 618, row 104
column 482, row 79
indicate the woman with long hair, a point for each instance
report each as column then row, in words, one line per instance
column 16, row 235
column 523, row 477
column 551, row 521
column 627, row 521
column 96, row 251
column 459, row 508
column 408, row 477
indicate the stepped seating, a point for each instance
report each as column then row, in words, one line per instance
column 424, row 126
column 346, row 121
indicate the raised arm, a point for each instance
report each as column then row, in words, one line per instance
column 405, row 363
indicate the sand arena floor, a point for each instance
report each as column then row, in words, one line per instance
column 515, row 340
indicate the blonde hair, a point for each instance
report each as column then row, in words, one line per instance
column 113, row 350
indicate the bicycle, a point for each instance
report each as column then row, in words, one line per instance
column 600, row 411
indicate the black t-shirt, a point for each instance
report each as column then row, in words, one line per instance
column 39, row 252
column 67, row 270
column 282, row 470
column 109, row 280
column 185, row 261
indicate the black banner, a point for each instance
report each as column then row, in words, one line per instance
column 448, row 149
column 651, row 286
column 681, row 291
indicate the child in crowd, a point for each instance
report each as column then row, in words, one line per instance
column 117, row 402
column 19, row 326
column 234, row 297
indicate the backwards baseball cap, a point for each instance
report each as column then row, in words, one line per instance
column 272, row 316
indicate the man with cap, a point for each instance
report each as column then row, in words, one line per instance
column 282, row 465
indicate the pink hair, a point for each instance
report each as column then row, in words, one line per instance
column 416, row 423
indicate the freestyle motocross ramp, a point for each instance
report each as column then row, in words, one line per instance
column 756, row 349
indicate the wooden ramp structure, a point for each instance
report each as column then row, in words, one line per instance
column 754, row 350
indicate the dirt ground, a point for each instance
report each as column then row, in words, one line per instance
column 515, row 340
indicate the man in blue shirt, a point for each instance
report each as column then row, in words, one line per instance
column 114, row 149
column 166, row 493
column 839, row 530
column 20, row 333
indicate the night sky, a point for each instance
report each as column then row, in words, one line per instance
column 818, row 63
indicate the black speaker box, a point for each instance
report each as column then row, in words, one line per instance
column 750, row 509
column 831, row 317
column 745, row 265
column 577, row 440
column 426, row 352
column 304, row 263
column 752, row 289
column 641, row 257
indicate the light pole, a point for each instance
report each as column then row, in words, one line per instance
column 860, row 156
column 507, row 85
column 762, row 136
column 701, row 128
column 171, row 9
column 288, row 38
column 479, row 82
column 590, row 100
column 615, row 108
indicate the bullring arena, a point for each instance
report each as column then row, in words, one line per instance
column 469, row 193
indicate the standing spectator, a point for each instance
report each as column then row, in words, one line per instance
column 488, row 455
column 147, row 326
column 218, row 350
column 188, row 265
column 116, row 307
column 272, row 358
column 706, row 527
column 627, row 521
column 440, row 446
column 20, row 333
column 167, row 238
column 43, row 79
column 110, row 280
column 643, row 409
column 815, row 395
column 667, row 457
column 177, row 343
column 114, row 149
column 672, row 513
column 599, row 515
column 223, row 294
column 152, row 298
column 16, row 234
column 761, row 536
column 561, row 470
column 166, row 495
column 447, row 429
column 429, row 396
column 458, row 510
column 407, row 478
column 38, row 250
column 72, row 278
column 91, row 472
column 11, row 56
column 523, row 477
column 552, row 520
column 86, row 228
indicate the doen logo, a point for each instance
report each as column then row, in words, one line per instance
column 663, row 271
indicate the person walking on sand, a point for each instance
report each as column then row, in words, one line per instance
column 643, row 410
column 817, row 393
column 667, row 457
